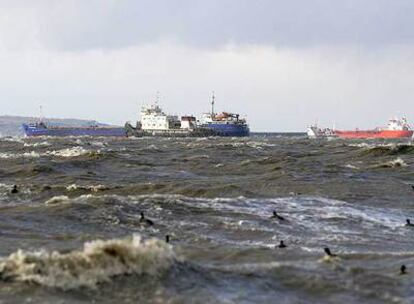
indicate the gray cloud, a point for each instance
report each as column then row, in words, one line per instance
column 278, row 90
column 281, row 63
column 83, row 25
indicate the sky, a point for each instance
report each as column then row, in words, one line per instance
column 281, row 64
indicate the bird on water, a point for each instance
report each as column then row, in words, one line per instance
column 14, row 190
column 144, row 221
column 408, row 223
column 277, row 216
column 282, row 245
column 329, row 253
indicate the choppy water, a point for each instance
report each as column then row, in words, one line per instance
column 73, row 233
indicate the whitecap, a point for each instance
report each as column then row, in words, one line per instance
column 349, row 166
column 93, row 188
column 99, row 144
column 395, row 163
column 38, row 144
column 61, row 199
column 72, row 152
column 97, row 262
column 31, row 154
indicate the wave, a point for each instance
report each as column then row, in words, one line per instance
column 97, row 262
column 395, row 163
column 92, row 188
column 350, row 166
column 56, row 200
column 15, row 139
column 37, row 144
column 313, row 209
column 73, row 152
column 390, row 149
column 32, row 154
column 230, row 144
column 99, row 144
column 64, row 153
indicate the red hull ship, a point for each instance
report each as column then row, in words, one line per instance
column 397, row 128
column 374, row 134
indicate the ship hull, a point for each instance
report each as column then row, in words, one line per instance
column 231, row 130
column 382, row 134
column 73, row 131
column 198, row 132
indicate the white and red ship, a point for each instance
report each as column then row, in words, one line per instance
column 396, row 128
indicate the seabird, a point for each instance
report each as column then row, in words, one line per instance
column 14, row 190
column 403, row 269
column 282, row 245
column 329, row 253
column 408, row 223
column 167, row 238
column 145, row 221
column 277, row 216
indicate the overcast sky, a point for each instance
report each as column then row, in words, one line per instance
column 282, row 64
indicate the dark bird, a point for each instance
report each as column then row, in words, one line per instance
column 46, row 188
column 408, row 223
column 167, row 238
column 277, row 216
column 14, row 190
column 412, row 187
column 403, row 269
column 144, row 221
column 282, row 245
column 329, row 253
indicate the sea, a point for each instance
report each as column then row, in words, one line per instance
column 86, row 220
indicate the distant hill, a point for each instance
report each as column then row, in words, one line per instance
column 12, row 125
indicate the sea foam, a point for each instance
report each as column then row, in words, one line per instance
column 97, row 262
column 72, row 152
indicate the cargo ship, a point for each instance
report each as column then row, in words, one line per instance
column 396, row 128
column 154, row 122
column 224, row 124
column 42, row 129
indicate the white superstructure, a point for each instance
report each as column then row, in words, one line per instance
column 188, row 122
column 153, row 118
column 398, row 124
column 316, row 132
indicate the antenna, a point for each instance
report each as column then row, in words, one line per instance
column 40, row 113
column 213, row 99
column 157, row 98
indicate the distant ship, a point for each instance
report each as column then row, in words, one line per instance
column 154, row 122
column 317, row 132
column 41, row 129
column 224, row 124
column 396, row 128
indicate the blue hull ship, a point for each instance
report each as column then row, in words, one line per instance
column 41, row 129
column 224, row 124
column 232, row 130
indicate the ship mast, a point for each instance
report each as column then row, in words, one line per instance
column 40, row 113
column 213, row 98
column 157, row 98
